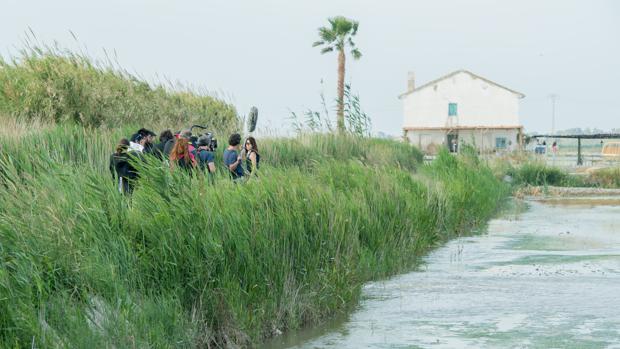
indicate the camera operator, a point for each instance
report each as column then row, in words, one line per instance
column 232, row 159
column 205, row 154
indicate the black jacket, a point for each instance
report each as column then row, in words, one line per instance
column 168, row 147
column 120, row 166
column 159, row 150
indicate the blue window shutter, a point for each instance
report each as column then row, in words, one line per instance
column 452, row 109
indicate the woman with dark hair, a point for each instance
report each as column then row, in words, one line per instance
column 181, row 156
column 121, row 169
column 158, row 149
column 252, row 157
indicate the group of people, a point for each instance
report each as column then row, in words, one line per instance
column 182, row 151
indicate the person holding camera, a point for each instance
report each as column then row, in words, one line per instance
column 252, row 157
column 232, row 159
column 205, row 155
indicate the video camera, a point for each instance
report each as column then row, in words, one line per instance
column 205, row 139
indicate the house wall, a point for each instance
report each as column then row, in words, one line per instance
column 479, row 103
column 430, row 141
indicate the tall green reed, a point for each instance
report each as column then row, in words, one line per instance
column 182, row 263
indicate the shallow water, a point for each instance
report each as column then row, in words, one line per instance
column 548, row 277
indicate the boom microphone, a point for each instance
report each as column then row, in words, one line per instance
column 252, row 119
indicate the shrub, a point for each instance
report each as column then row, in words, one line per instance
column 605, row 178
column 50, row 85
column 534, row 173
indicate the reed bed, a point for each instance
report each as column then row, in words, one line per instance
column 539, row 173
column 47, row 84
column 533, row 173
column 183, row 263
column 605, row 177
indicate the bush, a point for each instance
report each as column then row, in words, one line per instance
column 534, row 173
column 605, row 178
column 53, row 86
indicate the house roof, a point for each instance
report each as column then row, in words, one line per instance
column 521, row 95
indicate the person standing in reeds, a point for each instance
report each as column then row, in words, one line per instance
column 181, row 156
column 158, row 149
column 148, row 137
column 232, row 159
column 204, row 155
column 121, row 169
column 252, row 157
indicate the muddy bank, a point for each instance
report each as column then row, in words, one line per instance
column 551, row 191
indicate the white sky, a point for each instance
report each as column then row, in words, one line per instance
column 259, row 52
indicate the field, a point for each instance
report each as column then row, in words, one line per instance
column 186, row 263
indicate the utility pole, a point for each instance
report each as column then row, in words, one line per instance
column 553, row 98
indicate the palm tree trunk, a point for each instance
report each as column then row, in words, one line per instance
column 340, row 116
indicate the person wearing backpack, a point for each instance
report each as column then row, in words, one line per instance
column 181, row 156
column 120, row 167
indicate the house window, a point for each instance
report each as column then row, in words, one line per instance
column 500, row 142
column 452, row 109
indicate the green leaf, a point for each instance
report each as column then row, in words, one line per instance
column 327, row 35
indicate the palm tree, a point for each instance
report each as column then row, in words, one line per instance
column 338, row 36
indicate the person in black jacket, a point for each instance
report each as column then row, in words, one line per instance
column 159, row 148
column 121, row 169
column 148, row 136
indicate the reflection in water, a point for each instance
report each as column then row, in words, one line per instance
column 549, row 277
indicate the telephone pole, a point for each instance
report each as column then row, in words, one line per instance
column 553, row 98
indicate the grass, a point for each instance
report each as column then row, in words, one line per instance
column 539, row 174
column 186, row 264
column 49, row 85
column 536, row 173
column 605, row 178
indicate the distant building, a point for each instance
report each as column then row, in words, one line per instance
column 462, row 107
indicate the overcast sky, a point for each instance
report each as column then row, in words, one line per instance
column 258, row 52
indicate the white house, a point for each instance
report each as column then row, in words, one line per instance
column 462, row 107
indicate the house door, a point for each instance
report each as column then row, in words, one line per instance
column 453, row 142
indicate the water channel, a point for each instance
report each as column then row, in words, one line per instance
column 545, row 276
